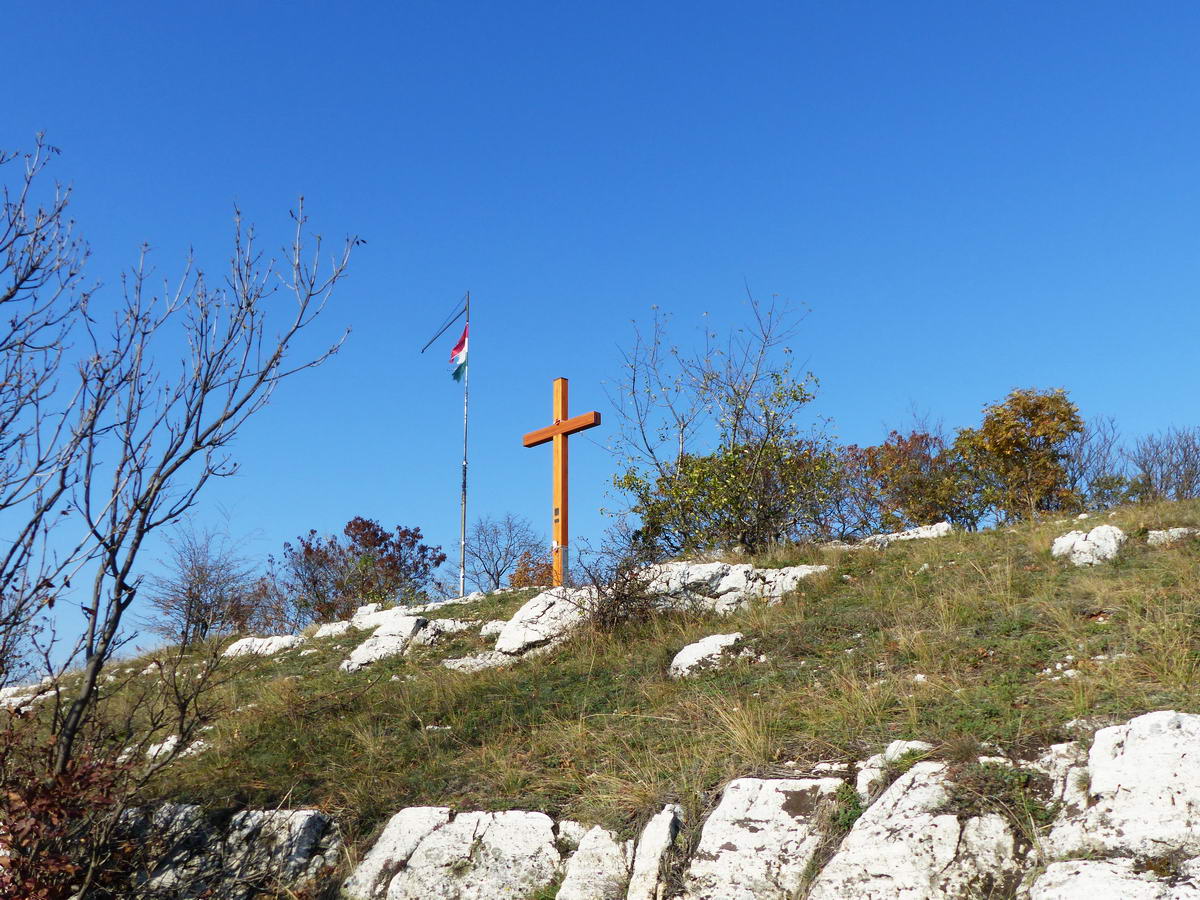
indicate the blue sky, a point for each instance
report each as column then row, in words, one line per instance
column 968, row 197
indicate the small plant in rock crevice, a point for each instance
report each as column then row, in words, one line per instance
column 1023, row 796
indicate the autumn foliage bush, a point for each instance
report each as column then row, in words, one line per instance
column 58, row 833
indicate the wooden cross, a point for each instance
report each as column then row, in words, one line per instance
column 558, row 433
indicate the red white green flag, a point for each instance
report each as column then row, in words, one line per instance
column 458, row 356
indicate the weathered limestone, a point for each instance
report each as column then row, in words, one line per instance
column 722, row 587
column 434, row 630
column 1170, row 536
column 921, row 532
column 758, row 841
column 873, row 768
column 265, row 646
column 332, row 629
column 656, row 840
column 391, row 638
column 550, row 615
column 598, row 869
column 390, row 852
column 1143, row 791
column 707, row 653
column 256, row 849
column 1091, row 548
column 488, row 659
column 492, row 628
column 902, row 847
column 481, row 855
column 1099, row 879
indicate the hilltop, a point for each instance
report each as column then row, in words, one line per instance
column 973, row 644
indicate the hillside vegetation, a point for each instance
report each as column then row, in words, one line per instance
column 965, row 640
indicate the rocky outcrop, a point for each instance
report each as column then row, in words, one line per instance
column 1170, row 536
column 1100, row 879
column 549, row 616
column 252, row 851
column 920, row 533
column 707, row 653
column 478, row 855
column 759, row 840
column 873, row 769
column 722, row 587
column 655, row 842
column 598, row 869
column 264, row 646
column 1142, row 795
column 904, row 846
column 1091, row 548
column 391, row 850
column 391, row 638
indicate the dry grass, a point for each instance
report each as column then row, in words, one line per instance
column 597, row 732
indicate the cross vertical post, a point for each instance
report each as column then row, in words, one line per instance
column 557, row 434
column 558, row 536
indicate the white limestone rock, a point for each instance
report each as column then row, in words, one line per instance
column 332, row 629
column 901, row 847
column 1143, row 791
column 920, row 533
column 489, row 659
column 1099, row 879
column 266, row 646
column 707, row 653
column 481, row 855
column 549, row 616
column 722, row 587
column 432, row 632
column 655, row 841
column 758, row 841
column 493, row 628
column 390, row 852
column 571, row 833
column 1170, row 536
column 598, row 869
column 391, row 638
column 872, row 770
column 1096, row 546
column 256, row 849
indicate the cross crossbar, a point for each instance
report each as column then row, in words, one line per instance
column 570, row 426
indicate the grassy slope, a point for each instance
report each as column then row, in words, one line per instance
column 597, row 732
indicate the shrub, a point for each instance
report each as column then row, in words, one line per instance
column 1019, row 452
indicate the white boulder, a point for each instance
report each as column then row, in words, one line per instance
column 1143, row 791
column 707, row 653
column 390, row 639
column 758, row 842
column 546, row 618
column 872, row 770
column 481, row 855
column 390, row 852
column 1170, row 536
column 492, row 628
column 902, row 847
column 266, row 646
column 655, row 841
column 598, row 869
column 721, row 587
column 488, row 659
column 1089, row 549
column 1098, row 879
column 332, row 629
column 920, row 533
column 432, row 632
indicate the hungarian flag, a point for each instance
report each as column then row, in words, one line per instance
column 458, row 356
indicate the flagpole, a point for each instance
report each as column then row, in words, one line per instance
column 462, row 527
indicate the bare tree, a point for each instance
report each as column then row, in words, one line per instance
column 1094, row 464
column 495, row 546
column 1168, row 464
column 41, row 299
column 207, row 590
column 107, row 442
